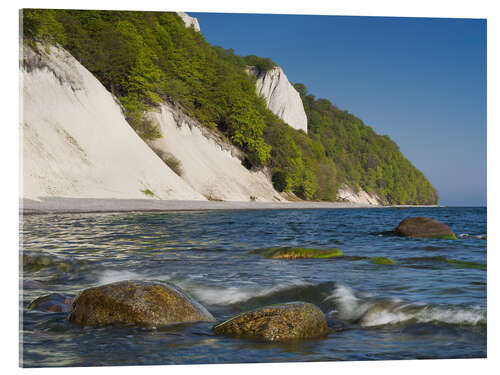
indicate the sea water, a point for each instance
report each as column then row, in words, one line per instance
column 430, row 304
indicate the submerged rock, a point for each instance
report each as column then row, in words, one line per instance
column 288, row 321
column 465, row 264
column 54, row 302
column 423, row 227
column 297, row 253
column 381, row 260
column 34, row 263
column 136, row 302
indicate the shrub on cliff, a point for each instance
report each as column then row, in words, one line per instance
column 264, row 64
column 279, row 179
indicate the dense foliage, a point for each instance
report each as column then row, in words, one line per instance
column 144, row 58
column 264, row 64
column 363, row 158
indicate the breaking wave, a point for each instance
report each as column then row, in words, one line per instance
column 369, row 312
column 338, row 301
column 478, row 236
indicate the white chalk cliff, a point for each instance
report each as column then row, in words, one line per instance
column 346, row 193
column 75, row 141
column 209, row 164
column 281, row 97
column 189, row 21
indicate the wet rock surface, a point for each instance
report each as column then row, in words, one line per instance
column 288, row 321
column 297, row 253
column 423, row 227
column 54, row 302
column 136, row 302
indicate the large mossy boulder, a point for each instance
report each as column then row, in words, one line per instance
column 297, row 253
column 54, row 302
column 424, row 227
column 136, row 302
column 283, row 322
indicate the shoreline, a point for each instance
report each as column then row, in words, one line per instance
column 59, row 205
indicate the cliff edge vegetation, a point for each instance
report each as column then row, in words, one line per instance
column 146, row 58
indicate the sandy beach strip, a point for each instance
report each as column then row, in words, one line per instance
column 82, row 205
column 93, row 205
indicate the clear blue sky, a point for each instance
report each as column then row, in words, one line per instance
column 422, row 81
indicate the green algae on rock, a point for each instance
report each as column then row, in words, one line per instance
column 381, row 260
column 424, row 227
column 461, row 263
column 33, row 263
column 136, row 302
column 297, row 253
column 441, row 259
column 281, row 322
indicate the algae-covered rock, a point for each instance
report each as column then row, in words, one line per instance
column 136, row 302
column 35, row 263
column 423, row 227
column 465, row 264
column 54, row 302
column 288, row 321
column 297, row 253
column 381, row 260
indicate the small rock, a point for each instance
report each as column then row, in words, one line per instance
column 381, row 260
column 297, row 253
column 423, row 227
column 136, row 302
column 52, row 303
column 288, row 321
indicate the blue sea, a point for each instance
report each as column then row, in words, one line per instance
column 430, row 304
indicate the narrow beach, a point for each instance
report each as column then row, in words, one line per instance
column 90, row 205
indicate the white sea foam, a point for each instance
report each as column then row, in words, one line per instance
column 110, row 276
column 216, row 295
column 374, row 312
column 478, row 236
column 207, row 294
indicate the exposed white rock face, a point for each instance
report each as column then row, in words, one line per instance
column 75, row 141
column 189, row 21
column 209, row 164
column 281, row 97
column 348, row 194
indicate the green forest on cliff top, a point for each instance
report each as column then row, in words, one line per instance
column 144, row 58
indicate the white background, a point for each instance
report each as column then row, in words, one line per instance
column 9, row 172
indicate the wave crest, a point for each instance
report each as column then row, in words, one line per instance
column 370, row 312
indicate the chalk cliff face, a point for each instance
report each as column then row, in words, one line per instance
column 281, row 97
column 209, row 164
column 75, row 141
column 346, row 193
column 189, row 21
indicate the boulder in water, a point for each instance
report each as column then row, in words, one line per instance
column 423, row 227
column 136, row 302
column 54, row 302
column 297, row 253
column 288, row 321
